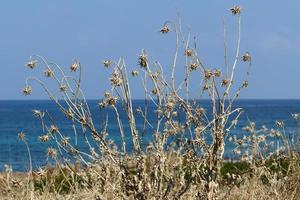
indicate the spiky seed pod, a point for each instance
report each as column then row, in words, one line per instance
column 235, row 10
column 139, row 111
column 74, row 66
column 155, row 75
column 48, row 73
column 102, row 104
column 51, row 152
column 53, row 129
column 237, row 151
column 44, row 138
column 205, row 87
column 65, row 141
column 194, row 66
column 111, row 101
column 31, row 64
column 245, row 84
column 83, row 120
column 207, row 74
column 116, row 80
column 170, row 105
column 22, row 136
column 217, row 73
column 249, row 128
column 165, row 29
column 27, row 90
column 159, row 112
column 37, row 113
column 279, row 124
column 62, row 88
column 106, row 94
column 69, row 113
column 41, row 172
column 107, row 63
column 296, row 116
column 143, row 60
column 199, row 111
column 274, row 133
column 174, row 113
column 188, row 52
column 154, row 91
column 134, row 73
column 225, row 82
column 246, row 57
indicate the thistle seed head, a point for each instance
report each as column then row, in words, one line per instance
column 112, row 101
column 237, row 151
column 154, row 91
column 65, row 141
column 225, row 82
column 274, row 133
column 134, row 73
column 216, row 73
column 109, row 101
column 188, row 52
column 69, row 113
column 139, row 111
column 159, row 112
column 107, row 63
column 53, row 129
column 102, row 104
column 174, row 114
column 116, row 80
column 74, row 66
column 235, row 10
column 48, row 73
column 208, row 74
column 245, row 84
column 194, row 66
column 27, row 90
column 83, row 120
column 279, row 124
column 106, row 94
column 205, row 87
column 44, row 138
column 62, row 88
column 246, row 57
column 22, row 136
column 296, row 116
column 41, row 172
column 154, row 75
column 51, row 152
column 31, row 64
column 38, row 114
column 165, row 29
column 170, row 104
column 143, row 60
column 199, row 111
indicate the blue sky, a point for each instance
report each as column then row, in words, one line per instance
column 92, row 31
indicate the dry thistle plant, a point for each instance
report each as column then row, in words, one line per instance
column 185, row 167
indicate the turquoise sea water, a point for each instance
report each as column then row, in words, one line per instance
column 16, row 116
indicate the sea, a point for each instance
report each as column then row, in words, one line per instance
column 16, row 116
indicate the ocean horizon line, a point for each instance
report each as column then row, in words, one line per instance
column 142, row 99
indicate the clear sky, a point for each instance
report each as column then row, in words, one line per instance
column 91, row 31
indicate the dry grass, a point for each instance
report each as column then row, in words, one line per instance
column 108, row 181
